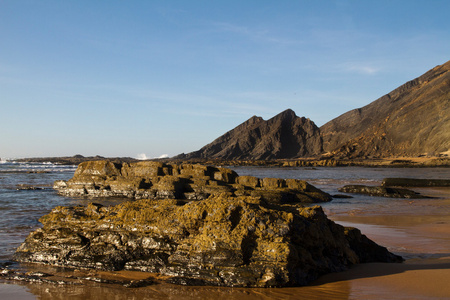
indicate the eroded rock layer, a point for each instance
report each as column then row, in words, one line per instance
column 222, row 241
column 157, row 180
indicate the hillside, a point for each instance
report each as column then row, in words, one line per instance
column 412, row 120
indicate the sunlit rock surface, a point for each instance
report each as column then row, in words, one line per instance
column 157, row 180
column 223, row 241
column 283, row 136
column 412, row 120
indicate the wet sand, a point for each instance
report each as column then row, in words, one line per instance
column 419, row 230
column 420, row 234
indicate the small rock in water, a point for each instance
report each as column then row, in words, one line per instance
column 381, row 191
column 341, row 196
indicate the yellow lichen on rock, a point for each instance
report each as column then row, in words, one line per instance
column 157, row 180
column 223, row 240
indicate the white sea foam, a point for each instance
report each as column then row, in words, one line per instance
column 4, row 160
column 15, row 166
column 163, row 156
column 142, row 156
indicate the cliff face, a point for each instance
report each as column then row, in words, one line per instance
column 413, row 119
column 283, row 136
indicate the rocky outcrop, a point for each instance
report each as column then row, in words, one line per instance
column 157, row 180
column 413, row 119
column 283, row 136
column 414, row 182
column 58, row 278
column 381, row 191
column 222, row 241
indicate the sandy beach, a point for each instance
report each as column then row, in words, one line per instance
column 421, row 235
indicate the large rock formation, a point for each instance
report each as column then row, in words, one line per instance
column 157, row 180
column 223, row 241
column 283, row 136
column 413, row 119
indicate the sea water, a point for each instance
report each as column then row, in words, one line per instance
column 330, row 179
column 26, row 194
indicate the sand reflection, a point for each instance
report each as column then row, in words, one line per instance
column 335, row 290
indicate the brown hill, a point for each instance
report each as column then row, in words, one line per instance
column 413, row 119
column 410, row 121
column 284, row 136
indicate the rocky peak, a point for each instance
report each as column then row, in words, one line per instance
column 287, row 115
column 412, row 120
column 283, row 136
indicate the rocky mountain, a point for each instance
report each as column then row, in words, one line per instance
column 284, row 136
column 412, row 120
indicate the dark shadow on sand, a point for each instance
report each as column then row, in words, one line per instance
column 371, row 270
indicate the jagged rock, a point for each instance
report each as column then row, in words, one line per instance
column 283, row 136
column 380, row 191
column 157, row 180
column 58, row 278
column 34, row 277
column 222, row 241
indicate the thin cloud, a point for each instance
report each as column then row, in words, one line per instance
column 360, row 68
column 258, row 35
column 364, row 69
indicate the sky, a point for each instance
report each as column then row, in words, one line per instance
column 146, row 79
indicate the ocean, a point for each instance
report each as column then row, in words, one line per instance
column 26, row 194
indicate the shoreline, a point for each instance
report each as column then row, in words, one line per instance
column 413, row 279
column 422, row 236
column 422, row 239
column 324, row 161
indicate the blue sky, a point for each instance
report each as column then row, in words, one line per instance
column 135, row 78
